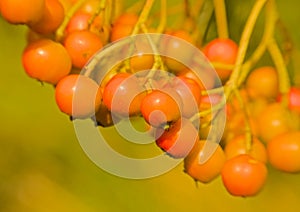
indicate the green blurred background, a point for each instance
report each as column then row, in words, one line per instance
column 43, row 168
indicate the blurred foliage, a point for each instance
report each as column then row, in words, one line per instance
column 43, row 168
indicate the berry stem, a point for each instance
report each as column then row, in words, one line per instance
column 163, row 16
column 287, row 42
column 108, row 13
column 117, row 8
column 158, row 63
column 221, row 18
column 248, row 133
column 283, row 75
column 60, row 32
column 217, row 65
column 205, row 15
column 140, row 24
column 212, row 91
column 212, row 109
column 243, row 46
column 137, row 6
column 187, row 10
column 143, row 16
column 271, row 18
column 196, row 8
column 99, row 12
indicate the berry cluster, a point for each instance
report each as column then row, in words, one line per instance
column 180, row 104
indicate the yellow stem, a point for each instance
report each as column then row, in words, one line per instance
column 248, row 133
column 212, row 91
column 221, row 18
column 203, row 19
column 137, row 6
column 108, row 13
column 117, row 6
column 243, row 46
column 163, row 17
column 196, row 8
column 283, row 75
column 287, row 41
column 99, row 12
column 60, row 32
column 271, row 18
column 141, row 20
column 143, row 16
column 214, row 108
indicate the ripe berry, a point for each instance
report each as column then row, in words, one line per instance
column 263, row 83
column 190, row 93
column 82, row 45
column 123, row 94
column 142, row 60
column 238, row 146
column 244, row 176
column 89, row 6
column 222, row 51
column 293, row 99
column 80, row 21
column 276, row 119
column 46, row 60
column 123, row 26
column 210, row 169
column 205, row 80
column 179, row 139
column 52, row 18
column 284, row 151
column 78, row 96
column 158, row 107
column 179, row 53
column 22, row 12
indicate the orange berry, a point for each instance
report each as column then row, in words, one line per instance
column 208, row 170
column 46, row 60
column 82, row 45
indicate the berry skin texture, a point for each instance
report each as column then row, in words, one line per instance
column 179, row 139
column 222, row 51
column 90, row 7
column 176, row 47
column 190, row 93
column 123, row 95
column 127, row 18
column 78, row 96
column 207, row 171
column 123, row 26
column 206, row 80
column 276, row 119
column 238, row 146
column 263, row 83
column 293, row 99
column 52, row 18
column 21, row 11
column 159, row 108
column 79, row 21
column 141, row 60
column 46, row 61
column 284, row 152
column 244, row 176
column 82, row 45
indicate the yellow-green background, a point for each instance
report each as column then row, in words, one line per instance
column 43, row 168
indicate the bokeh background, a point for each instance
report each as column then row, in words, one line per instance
column 43, row 168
